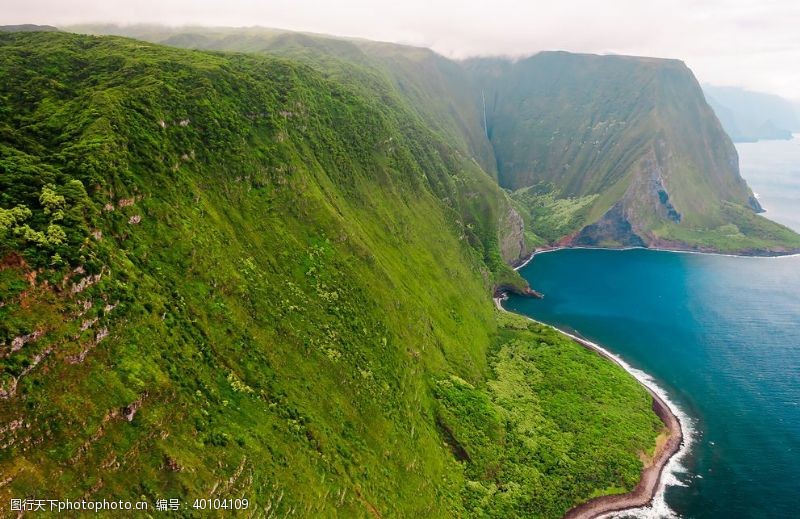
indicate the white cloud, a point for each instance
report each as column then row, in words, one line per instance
column 753, row 43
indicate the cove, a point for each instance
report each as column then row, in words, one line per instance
column 721, row 335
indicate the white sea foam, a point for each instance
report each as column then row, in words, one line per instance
column 530, row 258
column 674, row 467
column 658, row 507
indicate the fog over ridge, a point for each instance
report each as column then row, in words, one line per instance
column 726, row 42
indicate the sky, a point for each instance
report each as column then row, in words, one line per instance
column 753, row 44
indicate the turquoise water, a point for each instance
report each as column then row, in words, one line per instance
column 721, row 335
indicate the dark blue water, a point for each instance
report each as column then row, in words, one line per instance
column 721, row 335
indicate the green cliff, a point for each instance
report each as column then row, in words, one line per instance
column 598, row 150
column 627, row 148
column 228, row 275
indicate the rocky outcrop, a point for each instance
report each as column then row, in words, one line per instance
column 636, row 134
column 755, row 205
column 613, row 229
column 501, row 290
column 512, row 236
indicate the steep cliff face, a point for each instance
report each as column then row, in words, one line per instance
column 512, row 236
column 249, row 275
column 634, row 133
column 630, row 141
column 210, row 269
column 436, row 89
column 228, row 276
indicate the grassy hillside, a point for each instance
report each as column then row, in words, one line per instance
column 633, row 134
column 428, row 87
column 236, row 276
column 434, row 88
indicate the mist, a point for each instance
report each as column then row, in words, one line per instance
column 726, row 42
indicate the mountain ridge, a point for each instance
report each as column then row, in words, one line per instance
column 237, row 276
column 750, row 116
column 672, row 194
column 614, row 128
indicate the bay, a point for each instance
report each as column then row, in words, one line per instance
column 721, row 335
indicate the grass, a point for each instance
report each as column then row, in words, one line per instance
column 549, row 216
column 747, row 233
column 580, row 132
column 528, row 435
column 271, row 285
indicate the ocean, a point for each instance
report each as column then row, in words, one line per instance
column 720, row 335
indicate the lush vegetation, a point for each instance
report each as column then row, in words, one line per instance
column 626, row 145
column 227, row 275
column 746, row 232
column 538, row 433
column 549, row 216
column 436, row 90
column 632, row 133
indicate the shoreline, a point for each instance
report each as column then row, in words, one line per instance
column 546, row 249
column 652, row 475
column 651, row 481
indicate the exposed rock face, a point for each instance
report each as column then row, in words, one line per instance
column 755, row 204
column 647, row 198
column 512, row 238
column 636, row 133
column 655, row 191
column 612, row 229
